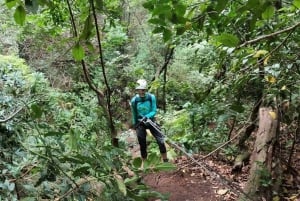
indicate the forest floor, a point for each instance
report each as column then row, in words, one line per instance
column 192, row 181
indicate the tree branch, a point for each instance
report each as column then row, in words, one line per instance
column 108, row 90
column 168, row 57
column 11, row 116
column 269, row 35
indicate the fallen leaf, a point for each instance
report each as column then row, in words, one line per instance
column 222, row 191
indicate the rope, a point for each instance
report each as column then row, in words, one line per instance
column 207, row 168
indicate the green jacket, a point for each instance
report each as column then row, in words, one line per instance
column 143, row 107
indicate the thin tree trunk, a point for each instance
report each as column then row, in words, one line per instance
column 258, row 186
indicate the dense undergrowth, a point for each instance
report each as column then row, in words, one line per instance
column 55, row 138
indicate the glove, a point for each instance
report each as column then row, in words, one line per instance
column 144, row 119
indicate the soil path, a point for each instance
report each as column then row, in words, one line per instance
column 188, row 182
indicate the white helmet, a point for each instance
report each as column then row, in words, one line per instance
column 142, row 84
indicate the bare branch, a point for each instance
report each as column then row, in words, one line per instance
column 11, row 116
column 269, row 35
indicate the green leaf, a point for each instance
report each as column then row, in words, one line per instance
column 148, row 5
column 158, row 30
column 87, row 30
column 81, row 170
column 20, row 15
column 99, row 4
column 237, row 107
column 137, row 162
column 10, row 3
column 131, row 180
column 165, row 167
column 296, row 3
column 36, row 111
column 180, row 30
column 71, row 159
column 11, row 187
column 252, row 4
column 180, row 9
column 121, row 184
column 163, row 9
column 78, row 52
column 157, row 21
column 228, row 40
column 153, row 158
column 268, row 13
column 167, row 34
column 53, row 133
column 221, row 5
column 28, row 198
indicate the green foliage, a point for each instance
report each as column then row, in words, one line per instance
column 61, row 136
column 17, row 83
column 78, row 52
column 264, row 174
column 165, row 13
column 20, row 15
column 228, row 40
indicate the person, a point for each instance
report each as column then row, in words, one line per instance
column 143, row 106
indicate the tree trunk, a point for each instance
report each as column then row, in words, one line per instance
column 258, row 186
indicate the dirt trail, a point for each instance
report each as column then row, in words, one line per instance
column 187, row 183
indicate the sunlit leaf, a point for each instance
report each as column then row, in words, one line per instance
column 296, row 3
column 268, row 13
column 260, row 53
column 10, row 3
column 20, row 15
column 222, row 191
column 78, row 52
column 270, row 79
column 283, row 88
column 228, row 40
column 266, row 60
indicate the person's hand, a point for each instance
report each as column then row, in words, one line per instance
column 144, row 119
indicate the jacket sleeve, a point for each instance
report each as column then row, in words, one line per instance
column 153, row 109
column 133, row 111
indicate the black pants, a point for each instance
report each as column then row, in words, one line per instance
column 142, row 134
